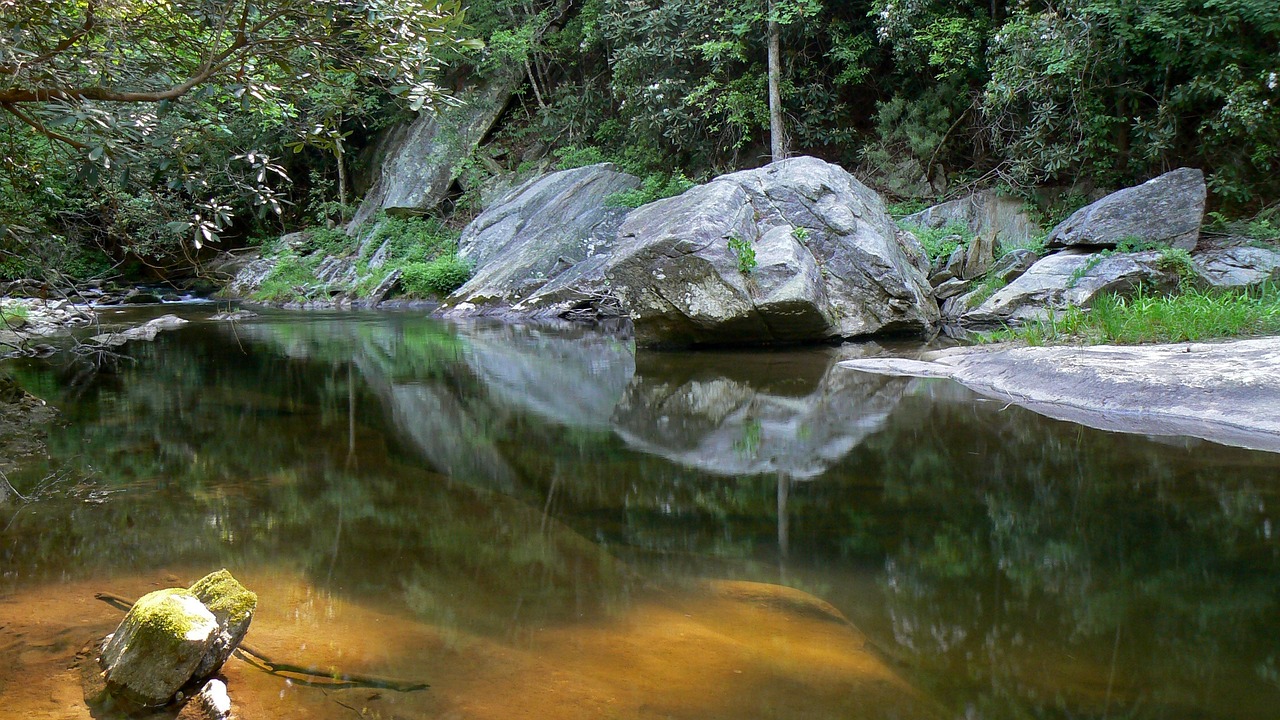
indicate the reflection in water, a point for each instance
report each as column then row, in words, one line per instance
column 526, row 516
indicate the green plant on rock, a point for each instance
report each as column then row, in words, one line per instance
column 745, row 253
column 652, row 188
column 437, row 278
column 940, row 242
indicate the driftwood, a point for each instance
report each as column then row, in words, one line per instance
column 309, row 676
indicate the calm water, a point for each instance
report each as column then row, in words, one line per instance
column 541, row 523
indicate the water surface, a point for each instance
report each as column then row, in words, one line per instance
column 542, row 523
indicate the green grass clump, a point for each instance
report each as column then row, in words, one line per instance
column 437, row 278
column 293, row 279
column 744, row 252
column 899, row 210
column 1189, row 316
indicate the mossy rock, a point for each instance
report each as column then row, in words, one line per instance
column 232, row 605
column 158, row 646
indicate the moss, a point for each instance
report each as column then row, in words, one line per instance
column 163, row 617
column 225, row 596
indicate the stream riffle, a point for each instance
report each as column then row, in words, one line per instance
column 540, row 522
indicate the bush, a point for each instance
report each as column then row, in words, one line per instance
column 654, row 187
column 437, row 278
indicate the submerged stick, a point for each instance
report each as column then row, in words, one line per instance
column 266, row 664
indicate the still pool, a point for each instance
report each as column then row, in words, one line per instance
column 541, row 522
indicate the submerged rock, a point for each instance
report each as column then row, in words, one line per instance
column 1166, row 210
column 171, row 637
column 147, row 331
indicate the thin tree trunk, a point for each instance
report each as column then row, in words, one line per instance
column 777, row 134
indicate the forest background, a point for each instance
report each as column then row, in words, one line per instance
column 136, row 133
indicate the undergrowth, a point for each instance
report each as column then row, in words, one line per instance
column 940, row 242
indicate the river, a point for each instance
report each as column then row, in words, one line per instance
column 542, row 523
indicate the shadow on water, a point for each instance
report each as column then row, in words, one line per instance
column 528, row 517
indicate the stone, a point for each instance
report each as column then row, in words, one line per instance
column 1068, row 279
column 984, row 213
column 384, row 288
column 951, row 288
column 420, row 160
column 1223, row 391
column 979, row 256
column 232, row 606
column 536, row 233
column 147, row 331
column 158, row 646
column 1238, row 267
column 1166, row 210
column 828, row 262
column 234, row 316
column 141, row 297
column 1013, row 264
column 211, row 703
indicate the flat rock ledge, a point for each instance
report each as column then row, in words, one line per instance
column 1225, row 392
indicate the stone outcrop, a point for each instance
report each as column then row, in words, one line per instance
column 1068, row 279
column 537, row 232
column 816, row 258
column 420, row 160
column 1224, row 392
column 1166, row 210
column 984, row 214
column 171, row 637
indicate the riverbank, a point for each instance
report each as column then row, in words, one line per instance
column 1226, row 392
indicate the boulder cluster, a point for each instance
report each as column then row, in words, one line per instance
column 801, row 251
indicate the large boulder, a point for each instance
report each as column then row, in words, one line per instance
column 420, row 160
column 537, row 232
column 984, row 213
column 171, row 637
column 795, row 251
column 1071, row 278
column 1166, row 210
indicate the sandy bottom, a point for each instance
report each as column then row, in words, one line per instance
column 716, row 650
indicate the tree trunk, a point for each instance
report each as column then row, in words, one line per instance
column 777, row 134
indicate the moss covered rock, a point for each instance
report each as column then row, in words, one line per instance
column 158, row 646
column 232, row 605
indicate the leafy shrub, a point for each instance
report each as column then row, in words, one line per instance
column 573, row 156
column 652, row 188
column 436, row 278
column 941, row 242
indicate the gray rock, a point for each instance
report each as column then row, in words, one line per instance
column 147, row 331
column 1224, row 392
column 158, row 646
column 829, row 262
column 1238, row 267
column 984, row 213
column 141, row 297
column 1014, row 264
column 1166, row 210
column 385, row 287
column 234, row 316
column 950, row 288
column 979, row 256
column 420, row 160
column 537, row 232
column 1068, row 279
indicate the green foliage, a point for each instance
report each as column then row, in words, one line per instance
column 573, row 156
column 653, row 187
column 13, row 314
column 941, row 242
column 1263, row 227
column 437, row 278
column 745, row 252
column 800, row 233
column 1189, row 316
column 293, row 279
column 899, row 210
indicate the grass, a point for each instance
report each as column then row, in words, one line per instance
column 1189, row 316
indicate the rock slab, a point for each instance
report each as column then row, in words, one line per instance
column 1166, row 210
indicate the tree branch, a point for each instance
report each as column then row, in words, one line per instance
column 40, row 128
